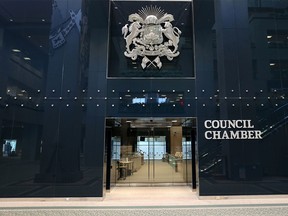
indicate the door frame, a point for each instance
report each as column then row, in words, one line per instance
column 194, row 159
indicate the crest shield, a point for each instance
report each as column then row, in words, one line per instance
column 151, row 36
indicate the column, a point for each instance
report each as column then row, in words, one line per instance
column 60, row 159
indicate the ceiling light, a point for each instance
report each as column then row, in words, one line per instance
column 27, row 58
column 269, row 36
column 272, row 64
column 43, row 20
column 16, row 50
column 11, row 20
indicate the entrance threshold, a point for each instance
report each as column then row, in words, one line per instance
column 156, row 184
column 151, row 196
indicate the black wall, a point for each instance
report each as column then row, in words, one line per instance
column 232, row 65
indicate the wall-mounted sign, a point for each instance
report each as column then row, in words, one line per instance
column 231, row 129
column 151, row 36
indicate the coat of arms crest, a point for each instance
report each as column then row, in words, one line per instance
column 151, row 36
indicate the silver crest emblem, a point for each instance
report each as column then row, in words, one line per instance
column 151, row 36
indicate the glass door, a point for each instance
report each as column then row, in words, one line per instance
column 154, row 151
column 150, row 151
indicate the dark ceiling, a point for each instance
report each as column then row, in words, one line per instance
column 28, row 19
column 25, row 11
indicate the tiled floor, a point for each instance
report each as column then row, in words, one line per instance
column 148, row 201
column 147, row 196
column 157, row 171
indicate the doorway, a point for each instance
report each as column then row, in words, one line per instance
column 151, row 151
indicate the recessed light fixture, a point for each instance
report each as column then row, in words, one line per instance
column 29, row 36
column 27, row 58
column 272, row 64
column 269, row 36
column 43, row 20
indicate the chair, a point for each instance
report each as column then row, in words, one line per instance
column 122, row 170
